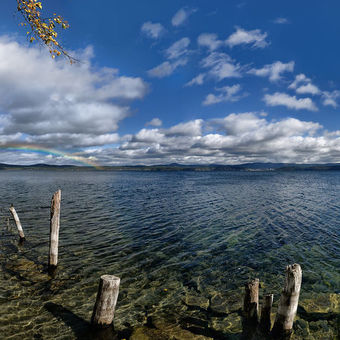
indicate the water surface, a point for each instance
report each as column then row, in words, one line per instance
column 183, row 243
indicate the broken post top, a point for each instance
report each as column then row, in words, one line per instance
column 293, row 278
column 253, row 282
column 110, row 278
column 268, row 300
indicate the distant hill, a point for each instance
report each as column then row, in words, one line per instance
column 183, row 167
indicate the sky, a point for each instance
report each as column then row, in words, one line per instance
column 159, row 82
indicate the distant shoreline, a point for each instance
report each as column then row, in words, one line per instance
column 250, row 167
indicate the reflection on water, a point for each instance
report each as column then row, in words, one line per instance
column 183, row 244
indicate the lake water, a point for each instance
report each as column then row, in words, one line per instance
column 183, row 244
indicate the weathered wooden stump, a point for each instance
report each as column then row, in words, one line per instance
column 104, row 308
column 17, row 222
column 54, row 230
column 265, row 322
column 251, row 300
column 288, row 302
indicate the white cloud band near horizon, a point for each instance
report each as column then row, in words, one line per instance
column 79, row 108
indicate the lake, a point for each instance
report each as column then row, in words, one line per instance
column 183, row 244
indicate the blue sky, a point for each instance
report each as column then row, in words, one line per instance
column 176, row 81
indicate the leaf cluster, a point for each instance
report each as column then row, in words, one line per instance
column 43, row 29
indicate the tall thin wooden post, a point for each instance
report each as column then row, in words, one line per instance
column 104, row 308
column 251, row 300
column 288, row 301
column 54, row 230
column 265, row 322
column 17, row 222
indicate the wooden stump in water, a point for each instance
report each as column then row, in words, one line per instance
column 288, row 302
column 104, row 308
column 54, row 230
column 265, row 323
column 251, row 300
column 17, row 222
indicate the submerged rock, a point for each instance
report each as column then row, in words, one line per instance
column 165, row 331
column 219, row 304
column 196, row 301
column 230, row 324
column 146, row 333
column 322, row 303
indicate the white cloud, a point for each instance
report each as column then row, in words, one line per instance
column 209, row 40
column 46, row 98
column 303, row 85
column 280, row 20
column 152, row 30
column 227, row 94
column 178, row 49
column 198, row 80
column 181, row 16
column 221, row 66
column 299, row 79
column 308, row 89
column 235, row 138
column 154, row 122
column 166, row 68
column 191, row 128
column 291, row 102
column 273, row 71
column 241, row 138
column 242, row 37
column 329, row 98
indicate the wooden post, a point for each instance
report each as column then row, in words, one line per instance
column 54, row 230
column 104, row 308
column 251, row 300
column 265, row 323
column 288, row 301
column 17, row 222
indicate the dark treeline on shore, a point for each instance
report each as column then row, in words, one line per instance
column 182, row 167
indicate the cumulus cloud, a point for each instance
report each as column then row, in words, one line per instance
column 227, row 94
column 198, row 80
column 46, row 99
column 166, row 68
column 291, row 102
column 221, row 66
column 243, row 37
column 191, row 128
column 154, row 122
column 329, row 98
column 178, row 49
column 303, row 85
column 176, row 55
column 273, row 71
column 152, row 30
column 308, row 89
column 181, row 16
column 235, row 138
column 209, row 40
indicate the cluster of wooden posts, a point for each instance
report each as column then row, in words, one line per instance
column 286, row 312
column 255, row 323
column 108, row 290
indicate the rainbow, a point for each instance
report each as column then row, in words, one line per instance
column 46, row 151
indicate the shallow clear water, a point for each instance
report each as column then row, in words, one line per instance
column 178, row 240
